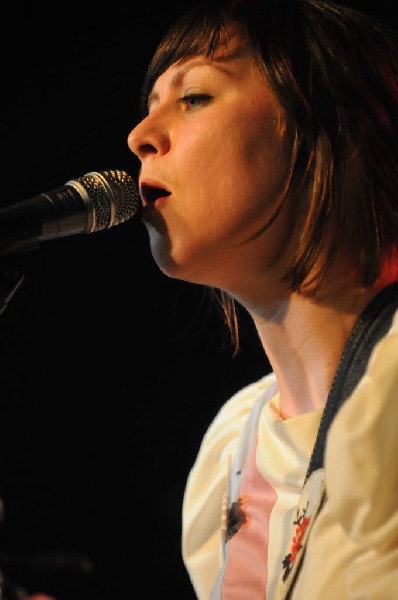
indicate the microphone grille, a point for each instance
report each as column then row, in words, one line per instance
column 114, row 197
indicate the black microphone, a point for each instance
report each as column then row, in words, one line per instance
column 93, row 202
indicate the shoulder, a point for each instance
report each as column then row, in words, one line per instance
column 353, row 540
column 242, row 402
column 362, row 445
column 209, row 473
column 229, row 422
column 373, row 397
column 221, row 439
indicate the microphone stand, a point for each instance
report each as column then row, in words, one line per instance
column 12, row 274
column 19, row 574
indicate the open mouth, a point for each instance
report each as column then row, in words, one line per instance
column 150, row 194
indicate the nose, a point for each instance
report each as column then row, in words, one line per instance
column 146, row 139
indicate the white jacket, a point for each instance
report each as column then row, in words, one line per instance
column 350, row 550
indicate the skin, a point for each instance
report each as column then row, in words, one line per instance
column 224, row 158
column 211, row 218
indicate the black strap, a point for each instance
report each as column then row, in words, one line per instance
column 370, row 327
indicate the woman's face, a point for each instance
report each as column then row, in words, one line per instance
column 214, row 161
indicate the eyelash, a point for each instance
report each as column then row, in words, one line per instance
column 191, row 101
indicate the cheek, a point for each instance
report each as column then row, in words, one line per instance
column 249, row 173
column 233, row 171
column 265, row 152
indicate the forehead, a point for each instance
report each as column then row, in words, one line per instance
column 207, row 37
column 233, row 56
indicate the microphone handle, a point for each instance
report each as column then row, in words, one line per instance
column 25, row 224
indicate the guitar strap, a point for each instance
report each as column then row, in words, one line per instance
column 371, row 326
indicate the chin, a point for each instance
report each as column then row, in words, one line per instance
column 175, row 269
column 178, row 261
column 164, row 260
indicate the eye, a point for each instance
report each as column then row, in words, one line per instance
column 192, row 101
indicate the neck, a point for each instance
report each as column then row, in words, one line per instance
column 304, row 339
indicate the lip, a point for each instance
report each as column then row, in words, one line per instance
column 152, row 192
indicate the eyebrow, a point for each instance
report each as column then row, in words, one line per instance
column 216, row 62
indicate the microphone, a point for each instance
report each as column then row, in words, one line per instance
column 94, row 202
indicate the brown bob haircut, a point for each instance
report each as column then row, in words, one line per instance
column 334, row 71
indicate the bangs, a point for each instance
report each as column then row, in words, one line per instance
column 199, row 32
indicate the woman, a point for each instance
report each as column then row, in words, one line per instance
column 268, row 151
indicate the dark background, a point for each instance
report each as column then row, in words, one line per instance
column 110, row 372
